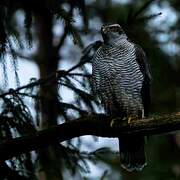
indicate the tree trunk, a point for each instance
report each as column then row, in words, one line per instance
column 47, row 61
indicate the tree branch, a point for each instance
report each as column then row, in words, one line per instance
column 51, row 78
column 61, row 41
column 98, row 125
column 21, row 55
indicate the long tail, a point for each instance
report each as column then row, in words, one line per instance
column 132, row 153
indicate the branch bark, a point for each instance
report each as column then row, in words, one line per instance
column 98, row 125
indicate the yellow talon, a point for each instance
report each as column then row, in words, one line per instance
column 129, row 120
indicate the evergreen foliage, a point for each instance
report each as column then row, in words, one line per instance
column 18, row 119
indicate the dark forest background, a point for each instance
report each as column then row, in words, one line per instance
column 51, row 35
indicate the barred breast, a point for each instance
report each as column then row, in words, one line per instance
column 117, row 78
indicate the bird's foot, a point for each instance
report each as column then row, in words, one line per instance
column 132, row 117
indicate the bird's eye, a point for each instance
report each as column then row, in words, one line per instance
column 114, row 29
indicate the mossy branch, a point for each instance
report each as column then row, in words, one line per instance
column 97, row 125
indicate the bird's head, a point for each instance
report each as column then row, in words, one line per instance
column 112, row 33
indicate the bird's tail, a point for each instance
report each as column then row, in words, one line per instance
column 132, row 153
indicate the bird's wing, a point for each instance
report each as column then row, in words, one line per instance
column 145, row 69
column 89, row 51
column 88, row 54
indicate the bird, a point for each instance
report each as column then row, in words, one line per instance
column 121, row 79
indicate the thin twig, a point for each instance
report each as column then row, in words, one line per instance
column 79, row 74
column 20, row 55
column 61, row 41
column 81, row 63
column 143, row 8
column 52, row 77
column 149, row 17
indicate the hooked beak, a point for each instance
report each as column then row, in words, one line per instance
column 104, row 29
